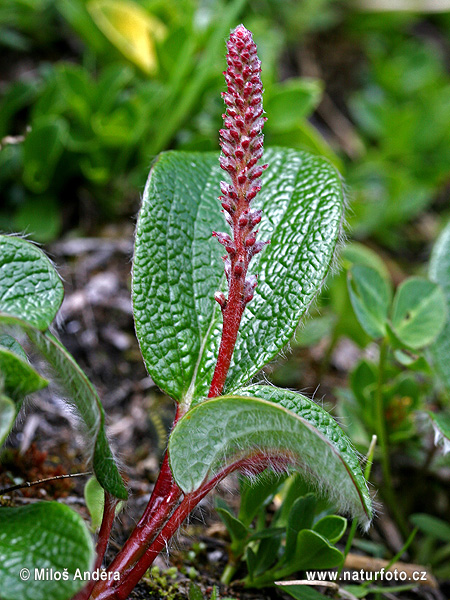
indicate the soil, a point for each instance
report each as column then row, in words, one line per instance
column 96, row 325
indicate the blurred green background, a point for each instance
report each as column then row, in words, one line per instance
column 91, row 90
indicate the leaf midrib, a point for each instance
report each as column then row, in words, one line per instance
column 189, row 396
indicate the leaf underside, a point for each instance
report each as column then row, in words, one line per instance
column 273, row 422
column 178, row 265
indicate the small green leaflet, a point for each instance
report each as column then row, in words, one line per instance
column 331, row 527
column 178, row 265
column 370, row 294
column 419, row 312
column 44, row 537
column 30, row 288
column 273, row 421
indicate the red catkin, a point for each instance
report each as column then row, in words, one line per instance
column 241, row 141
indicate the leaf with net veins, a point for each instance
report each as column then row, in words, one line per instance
column 30, row 288
column 272, row 422
column 178, row 267
column 38, row 541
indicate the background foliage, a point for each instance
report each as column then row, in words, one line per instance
column 92, row 90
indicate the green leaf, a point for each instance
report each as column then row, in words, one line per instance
column 7, row 417
column 178, row 266
column 302, row 592
column 94, row 497
column 237, row 530
column 267, row 553
column 313, row 331
column 300, row 517
column 274, row 422
column 431, row 526
column 292, row 101
column 250, row 558
column 266, row 533
column 7, row 341
column 331, row 527
column 17, row 376
column 255, row 494
column 363, row 380
column 313, row 552
column 355, row 253
column 195, row 593
column 440, row 273
column 30, row 288
column 40, row 216
column 441, row 426
column 294, row 487
column 419, row 312
column 46, row 535
column 82, row 397
column 370, row 294
column 42, row 149
column 214, row 594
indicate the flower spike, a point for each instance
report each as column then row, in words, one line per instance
column 241, row 141
column 242, row 147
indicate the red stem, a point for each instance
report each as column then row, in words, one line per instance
column 232, row 316
column 107, row 591
column 162, row 502
column 109, row 512
column 161, row 505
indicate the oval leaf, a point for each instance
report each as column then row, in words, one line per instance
column 178, row 266
column 291, row 101
column 419, row 312
column 82, row 397
column 313, row 552
column 30, row 288
column 440, row 273
column 94, row 496
column 39, row 539
column 370, row 294
column 331, row 527
column 272, row 421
